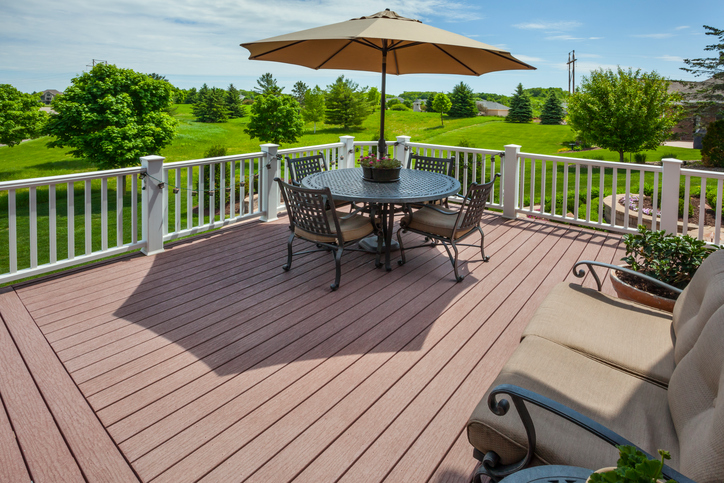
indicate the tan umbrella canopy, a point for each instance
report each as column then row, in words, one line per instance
column 388, row 43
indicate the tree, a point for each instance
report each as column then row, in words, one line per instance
column 233, row 102
column 314, row 106
column 275, row 119
column 346, row 104
column 711, row 93
column 463, row 101
column 211, row 105
column 520, row 108
column 267, row 85
column 298, row 92
column 20, row 117
column 112, row 116
column 428, row 103
column 191, row 96
column 374, row 97
column 624, row 111
column 441, row 104
column 552, row 110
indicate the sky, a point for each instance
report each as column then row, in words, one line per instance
column 44, row 43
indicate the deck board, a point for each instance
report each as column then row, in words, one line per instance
column 207, row 362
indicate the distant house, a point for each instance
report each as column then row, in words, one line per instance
column 48, row 95
column 695, row 118
column 417, row 105
column 490, row 108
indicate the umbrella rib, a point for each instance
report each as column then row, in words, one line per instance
column 254, row 57
column 367, row 43
column 513, row 59
column 455, row 59
column 332, row 56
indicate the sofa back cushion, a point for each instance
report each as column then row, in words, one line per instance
column 701, row 298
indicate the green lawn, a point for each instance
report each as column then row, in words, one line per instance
column 33, row 159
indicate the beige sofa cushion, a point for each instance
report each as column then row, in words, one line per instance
column 430, row 220
column 696, row 408
column 701, row 298
column 627, row 335
column 353, row 228
column 632, row 407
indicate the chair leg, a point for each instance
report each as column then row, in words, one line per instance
column 402, row 259
column 338, row 267
column 458, row 278
column 482, row 245
column 288, row 265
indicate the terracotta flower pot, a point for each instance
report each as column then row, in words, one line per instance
column 626, row 291
column 381, row 175
column 611, row 468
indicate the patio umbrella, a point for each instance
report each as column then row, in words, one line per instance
column 388, row 43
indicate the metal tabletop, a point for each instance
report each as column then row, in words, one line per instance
column 414, row 186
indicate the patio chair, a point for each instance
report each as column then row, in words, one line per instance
column 433, row 165
column 447, row 226
column 330, row 230
column 306, row 165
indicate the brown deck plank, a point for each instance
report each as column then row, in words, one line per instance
column 95, row 452
column 12, row 464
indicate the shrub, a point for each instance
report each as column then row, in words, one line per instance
column 640, row 158
column 595, row 157
column 668, row 155
column 712, row 145
column 399, row 107
column 214, row 151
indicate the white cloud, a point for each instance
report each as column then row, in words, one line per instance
column 671, row 58
column 682, row 27
column 654, row 36
column 526, row 58
column 569, row 25
column 563, row 37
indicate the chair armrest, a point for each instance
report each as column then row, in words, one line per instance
column 439, row 210
column 520, row 396
column 590, row 264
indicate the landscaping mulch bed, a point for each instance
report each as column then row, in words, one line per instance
column 694, row 201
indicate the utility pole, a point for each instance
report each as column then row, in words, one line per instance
column 96, row 61
column 572, row 71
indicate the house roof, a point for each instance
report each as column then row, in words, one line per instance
column 493, row 105
column 51, row 91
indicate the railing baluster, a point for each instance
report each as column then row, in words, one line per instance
column 242, row 186
column 166, row 193
column 521, row 180
column 119, row 209
column 104, row 214
column 465, row 172
column 88, row 218
column 52, row 220
column 565, row 190
column 627, row 198
column 212, row 193
column 640, row 219
column 70, row 219
column 33, row 227
column 577, row 196
column 543, row 176
column 12, row 231
column 252, row 181
column 177, row 200
column 702, row 208
column 614, row 199
column 232, row 189
column 554, row 191
column 687, row 195
column 718, row 211
column 134, row 209
column 202, row 218
column 532, row 183
column 222, row 192
column 589, row 182
column 601, row 179
column 655, row 202
column 189, row 197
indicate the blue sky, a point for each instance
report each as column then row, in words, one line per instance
column 44, row 44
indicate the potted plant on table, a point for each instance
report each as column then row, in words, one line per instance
column 668, row 258
column 632, row 467
column 382, row 170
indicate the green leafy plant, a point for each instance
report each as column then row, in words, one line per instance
column 371, row 161
column 666, row 257
column 640, row 158
column 712, row 149
column 633, row 467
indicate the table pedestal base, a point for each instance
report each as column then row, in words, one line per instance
column 369, row 244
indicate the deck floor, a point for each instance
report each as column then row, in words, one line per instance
column 209, row 363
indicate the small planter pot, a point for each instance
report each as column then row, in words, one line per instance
column 381, row 175
column 611, row 468
column 626, row 291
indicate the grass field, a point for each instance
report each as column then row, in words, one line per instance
column 33, row 159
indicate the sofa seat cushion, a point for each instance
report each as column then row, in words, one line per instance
column 430, row 220
column 630, row 406
column 353, row 228
column 624, row 334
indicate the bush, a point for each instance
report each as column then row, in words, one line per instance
column 399, row 107
column 214, row 151
column 712, row 145
column 668, row 155
column 640, row 158
column 595, row 157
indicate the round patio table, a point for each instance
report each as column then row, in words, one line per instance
column 414, row 186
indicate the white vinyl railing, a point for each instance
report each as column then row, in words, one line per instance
column 61, row 221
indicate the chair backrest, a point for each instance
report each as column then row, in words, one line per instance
column 306, row 165
column 473, row 206
column 698, row 379
column 428, row 163
column 307, row 209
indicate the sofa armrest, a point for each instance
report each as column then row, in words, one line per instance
column 581, row 273
column 519, row 396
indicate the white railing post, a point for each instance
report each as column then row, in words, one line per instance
column 269, row 190
column 153, row 217
column 510, row 180
column 347, row 151
column 402, row 149
column 670, row 195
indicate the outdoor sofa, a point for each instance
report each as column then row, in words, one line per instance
column 593, row 371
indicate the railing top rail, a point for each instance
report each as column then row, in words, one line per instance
column 66, row 178
column 456, row 148
column 218, row 159
column 593, row 162
column 371, row 143
column 700, row 173
column 310, row 148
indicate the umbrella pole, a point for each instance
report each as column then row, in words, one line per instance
column 382, row 145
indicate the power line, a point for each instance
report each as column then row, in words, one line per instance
column 96, row 61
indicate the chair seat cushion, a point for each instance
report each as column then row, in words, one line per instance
column 630, row 406
column 430, row 220
column 353, row 228
column 624, row 334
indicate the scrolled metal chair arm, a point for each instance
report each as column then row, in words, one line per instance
column 519, row 397
column 590, row 264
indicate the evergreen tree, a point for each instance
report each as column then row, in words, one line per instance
column 346, row 104
column 191, row 96
column 298, row 92
column 463, row 101
column 314, row 106
column 710, row 93
column 211, row 105
column 428, row 103
column 275, row 119
column 552, row 110
column 267, row 85
column 233, row 103
column 520, row 107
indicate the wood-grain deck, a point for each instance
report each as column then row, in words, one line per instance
column 209, row 363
